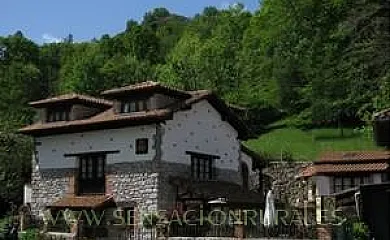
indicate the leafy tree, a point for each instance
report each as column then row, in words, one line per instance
column 15, row 166
column 141, row 43
column 81, row 72
column 122, row 70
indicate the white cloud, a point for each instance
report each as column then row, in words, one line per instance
column 48, row 38
column 227, row 5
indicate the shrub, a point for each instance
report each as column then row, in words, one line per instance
column 360, row 231
column 30, row 234
column 150, row 220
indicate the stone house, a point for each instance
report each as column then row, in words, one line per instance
column 144, row 147
column 335, row 172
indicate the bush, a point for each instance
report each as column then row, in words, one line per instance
column 30, row 234
column 360, row 231
column 355, row 229
column 150, row 220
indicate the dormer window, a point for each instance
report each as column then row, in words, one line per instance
column 60, row 114
column 133, row 106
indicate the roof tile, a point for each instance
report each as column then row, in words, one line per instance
column 103, row 118
column 144, row 86
column 87, row 201
column 111, row 119
column 69, row 97
column 343, row 168
column 353, row 156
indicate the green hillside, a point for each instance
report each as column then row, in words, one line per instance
column 306, row 145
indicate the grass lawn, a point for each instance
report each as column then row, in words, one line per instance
column 306, row 145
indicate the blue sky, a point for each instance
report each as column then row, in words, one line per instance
column 50, row 20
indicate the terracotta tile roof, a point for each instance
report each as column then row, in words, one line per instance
column 87, row 201
column 307, row 172
column 110, row 119
column 71, row 97
column 350, row 161
column 107, row 119
column 343, row 168
column 363, row 167
column 353, row 156
column 137, row 86
column 145, row 87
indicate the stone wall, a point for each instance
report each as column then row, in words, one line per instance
column 134, row 182
column 129, row 182
column 145, row 184
column 168, row 192
column 48, row 185
column 282, row 176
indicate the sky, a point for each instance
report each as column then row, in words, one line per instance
column 50, row 21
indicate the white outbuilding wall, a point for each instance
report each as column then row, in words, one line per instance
column 325, row 183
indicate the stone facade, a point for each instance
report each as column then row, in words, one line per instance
column 168, row 192
column 49, row 185
column 287, row 188
column 134, row 182
column 143, row 184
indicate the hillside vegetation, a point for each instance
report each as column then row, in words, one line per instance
column 318, row 63
column 306, row 145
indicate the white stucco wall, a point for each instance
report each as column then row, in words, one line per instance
column 200, row 129
column 51, row 149
column 323, row 184
column 253, row 175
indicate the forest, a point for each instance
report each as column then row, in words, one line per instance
column 312, row 63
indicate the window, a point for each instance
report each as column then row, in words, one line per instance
column 347, row 182
column 141, row 146
column 385, row 177
column 141, row 105
column 202, row 167
column 338, row 184
column 91, row 174
column 54, row 115
column 133, row 106
column 368, row 179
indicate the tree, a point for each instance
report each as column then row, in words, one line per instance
column 141, row 43
column 80, row 73
column 122, row 70
column 15, row 167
